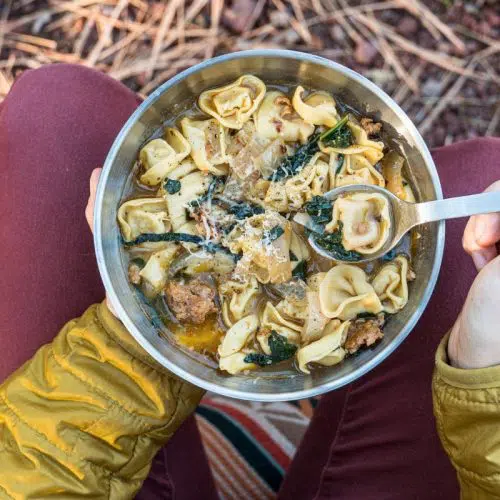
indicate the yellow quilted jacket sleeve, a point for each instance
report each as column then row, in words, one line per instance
column 86, row 415
column 467, row 410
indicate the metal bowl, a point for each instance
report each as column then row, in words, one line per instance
column 273, row 66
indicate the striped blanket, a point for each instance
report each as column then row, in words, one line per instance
column 250, row 445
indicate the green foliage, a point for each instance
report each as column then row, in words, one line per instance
column 338, row 136
column 273, row 234
column 332, row 243
column 178, row 237
column 214, row 186
column 280, row 348
column 245, row 210
column 320, row 209
column 172, row 186
column 300, row 270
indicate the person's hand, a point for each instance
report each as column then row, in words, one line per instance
column 89, row 211
column 475, row 337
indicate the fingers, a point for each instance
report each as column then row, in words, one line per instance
column 481, row 235
column 89, row 209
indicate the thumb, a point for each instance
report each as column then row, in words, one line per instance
column 487, row 229
column 481, row 235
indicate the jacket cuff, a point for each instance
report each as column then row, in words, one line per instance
column 117, row 331
column 478, row 378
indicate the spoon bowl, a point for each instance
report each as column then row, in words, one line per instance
column 403, row 216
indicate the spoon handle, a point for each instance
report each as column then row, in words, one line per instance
column 462, row 206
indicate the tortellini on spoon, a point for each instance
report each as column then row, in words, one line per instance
column 365, row 219
column 234, row 104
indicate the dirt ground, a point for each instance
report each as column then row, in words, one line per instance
column 439, row 59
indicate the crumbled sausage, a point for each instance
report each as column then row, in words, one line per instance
column 363, row 333
column 370, row 126
column 191, row 302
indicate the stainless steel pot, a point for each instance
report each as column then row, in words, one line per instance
column 273, row 66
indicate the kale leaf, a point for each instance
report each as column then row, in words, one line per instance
column 332, row 242
column 293, row 164
column 172, row 186
column 258, row 359
column 215, row 184
column 337, row 136
column 273, row 234
column 245, row 210
column 299, row 270
column 178, row 237
column 320, row 209
column 280, row 348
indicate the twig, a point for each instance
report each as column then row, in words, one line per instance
column 87, row 28
column 492, row 127
column 420, row 11
column 3, row 22
column 301, row 30
column 403, row 91
column 390, row 56
column 441, row 60
column 257, row 11
column 453, row 91
column 215, row 14
column 105, row 38
column 168, row 16
column 476, row 36
column 369, row 7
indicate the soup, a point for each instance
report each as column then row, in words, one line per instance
column 213, row 246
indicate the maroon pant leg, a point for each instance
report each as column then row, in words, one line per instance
column 376, row 438
column 56, row 125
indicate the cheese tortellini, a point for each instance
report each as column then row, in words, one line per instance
column 318, row 108
column 371, row 150
column 345, row 293
column 234, row 104
column 232, row 350
column 193, row 183
column 277, row 118
column 143, row 215
column 207, row 140
column 159, row 156
column 365, row 219
column 214, row 230
column 238, row 299
column 327, row 350
column 316, row 178
column 356, row 169
column 391, row 284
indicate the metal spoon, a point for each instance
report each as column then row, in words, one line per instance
column 405, row 216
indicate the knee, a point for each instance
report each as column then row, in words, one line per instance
column 55, row 76
column 65, row 81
